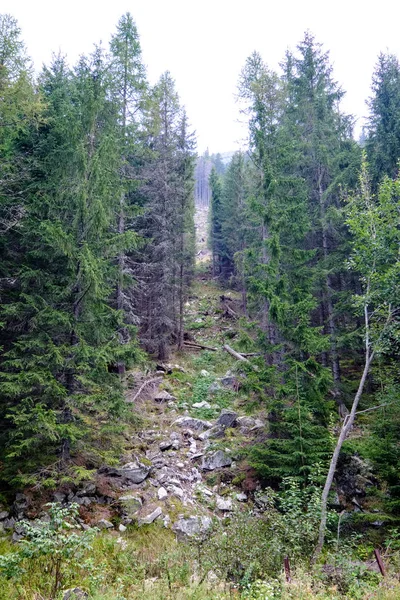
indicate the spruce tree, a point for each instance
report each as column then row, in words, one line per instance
column 128, row 85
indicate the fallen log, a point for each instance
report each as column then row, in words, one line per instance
column 235, row 354
column 230, row 312
column 200, row 346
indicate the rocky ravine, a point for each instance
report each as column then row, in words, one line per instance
column 166, row 477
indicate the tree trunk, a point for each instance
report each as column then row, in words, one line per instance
column 346, row 427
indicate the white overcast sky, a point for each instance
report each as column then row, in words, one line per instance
column 204, row 44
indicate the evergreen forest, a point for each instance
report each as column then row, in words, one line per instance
column 199, row 355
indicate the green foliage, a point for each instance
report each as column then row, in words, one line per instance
column 53, row 546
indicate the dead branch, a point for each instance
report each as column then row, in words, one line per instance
column 235, row 354
column 200, row 346
column 145, row 384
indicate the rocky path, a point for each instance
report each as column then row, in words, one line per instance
column 183, row 464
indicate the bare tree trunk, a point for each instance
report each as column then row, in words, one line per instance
column 346, row 427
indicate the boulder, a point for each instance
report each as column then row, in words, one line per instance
column 162, row 493
column 104, row 524
column 216, row 460
column 192, row 423
column 203, row 404
column 227, row 418
column 165, row 446
column 163, row 396
column 4, row 514
column 75, row 594
column 150, row 517
column 191, row 526
column 229, row 381
column 224, row 504
column 134, row 472
column 242, row 497
column 176, row 491
column 59, row 497
column 121, row 528
column 88, row 489
column 215, row 432
column 247, row 424
column 214, row 388
column 132, row 504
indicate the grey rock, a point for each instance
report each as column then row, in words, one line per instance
column 192, row 423
column 176, row 491
column 214, row 388
column 59, row 497
column 9, row 523
column 104, row 524
column 216, row 460
column 224, row 504
column 162, row 493
column 88, row 489
column 75, row 594
column 203, row 404
column 261, row 500
column 165, row 446
column 176, row 444
column 227, row 418
column 4, row 514
column 191, row 526
column 134, row 472
column 241, row 497
column 215, row 432
column 247, row 424
column 147, row 519
column 121, row 528
column 164, row 396
column 229, row 381
column 132, row 504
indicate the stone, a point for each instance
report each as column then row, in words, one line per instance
column 215, row 432
column 131, row 504
column 176, row 491
column 4, row 514
column 163, row 396
column 121, row 528
column 165, row 446
column 59, row 497
column 216, row 460
column 134, row 472
column 191, row 526
column 88, row 489
column 229, row 381
column 9, row 523
column 247, row 424
column 204, row 373
column 147, row 519
column 214, row 388
column 75, row 594
column 162, row 493
column 192, row 423
column 241, row 497
column 227, row 418
column 224, row 504
column 176, row 445
column 203, row 404
column 104, row 524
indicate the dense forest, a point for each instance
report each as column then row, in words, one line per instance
column 98, row 181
